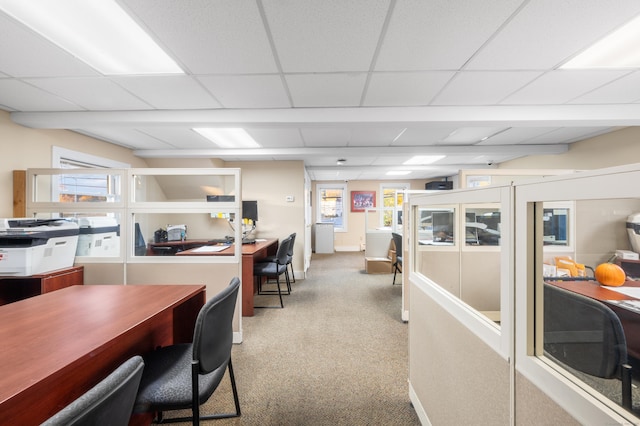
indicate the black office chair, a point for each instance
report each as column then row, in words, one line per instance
column 586, row 335
column 110, row 402
column 274, row 268
column 184, row 376
column 289, row 257
column 397, row 265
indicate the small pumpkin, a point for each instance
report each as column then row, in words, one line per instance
column 610, row 274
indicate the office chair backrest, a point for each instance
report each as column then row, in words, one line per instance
column 397, row 241
column 583, row 333
column 110, row 402
column 213, row 333
column 291, row 243
column 283, row 250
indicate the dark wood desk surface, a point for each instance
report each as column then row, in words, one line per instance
column 630, row 319
column 251, row 253
column 58, row 345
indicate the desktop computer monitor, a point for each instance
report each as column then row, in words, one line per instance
column 250, row 210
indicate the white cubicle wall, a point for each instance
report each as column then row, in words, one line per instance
column 151, row 199
column 462, row 370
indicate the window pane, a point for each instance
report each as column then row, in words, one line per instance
column 332, row 206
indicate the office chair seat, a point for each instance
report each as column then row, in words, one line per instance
column 166, row 385
column 110, row 402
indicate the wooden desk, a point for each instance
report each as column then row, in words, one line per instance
column 170, row 248
column 251, row 253
column 14, row 288
column 58, row 345
column 630, row 319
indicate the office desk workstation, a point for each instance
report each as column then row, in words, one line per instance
column 64, row 342
column 251, row 253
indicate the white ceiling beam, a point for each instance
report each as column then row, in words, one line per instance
column 387, row 151
column 526, row 116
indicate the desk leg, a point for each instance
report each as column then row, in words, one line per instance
column 247, row 286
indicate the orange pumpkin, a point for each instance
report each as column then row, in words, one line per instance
column 610, row 274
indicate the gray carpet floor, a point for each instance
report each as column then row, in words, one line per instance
column 335, row 355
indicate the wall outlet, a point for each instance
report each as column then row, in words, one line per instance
column 289, row 198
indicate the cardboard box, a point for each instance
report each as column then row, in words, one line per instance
column 377, row 265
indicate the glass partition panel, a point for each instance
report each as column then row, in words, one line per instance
column 590, row 330
column 436, row 226
column 482, row 226
column 77, row 186
column 180, row 188
column 167, row 234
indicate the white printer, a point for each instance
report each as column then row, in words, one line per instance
column 633, row 230
column 99, row 236
column 35, row 246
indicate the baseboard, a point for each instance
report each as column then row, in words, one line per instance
column 405, row 316
column 237, row 337
column 417, row 406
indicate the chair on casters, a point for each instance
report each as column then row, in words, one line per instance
column 110, row 402
column 184, row 376
column 586, row 335
column 274, row 269
column 397, row 265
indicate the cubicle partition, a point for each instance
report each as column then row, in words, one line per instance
column 149, row 206
column 480, row 348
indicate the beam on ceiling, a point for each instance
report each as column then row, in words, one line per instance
column 524, row 116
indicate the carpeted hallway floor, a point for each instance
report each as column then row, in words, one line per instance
column 335, row 355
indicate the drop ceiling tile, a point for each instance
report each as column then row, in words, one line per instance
column 439, row 34
column 482, row 87
column 93, row 93
column 326, row 90
column 168, row 92
column 247, row 91
column 325, row 36
column 621, row 91
column 547, row 32
column 326, row 136
column 20, row 96
column 561, row 86
column 277, row 138
column 209, row 36
column 405, row 89
column 24, row 53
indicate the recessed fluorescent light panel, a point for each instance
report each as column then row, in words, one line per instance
column 228, row 137
column 98, row 32
column 617, row 50
column 421, row 160
column 398, row 172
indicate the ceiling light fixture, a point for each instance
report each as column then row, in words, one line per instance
column 421, row 160
column 617, row 50
column 98, row 32
column 228, row 137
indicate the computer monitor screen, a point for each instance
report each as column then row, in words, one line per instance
column 250, row 210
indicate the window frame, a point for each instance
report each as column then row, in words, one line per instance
column 345, row 204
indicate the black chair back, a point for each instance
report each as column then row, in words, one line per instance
column 213, row 333
column 397, row 241
column 283, row 251
column 110, row 402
